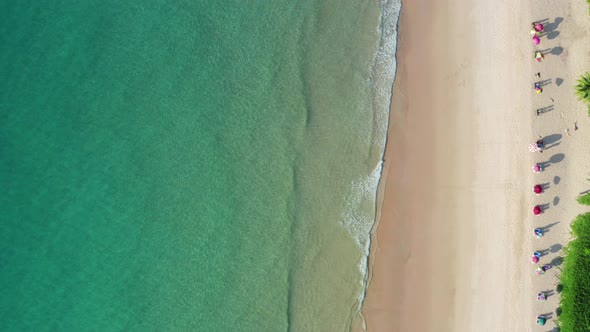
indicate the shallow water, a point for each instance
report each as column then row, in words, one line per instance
column 202, row 166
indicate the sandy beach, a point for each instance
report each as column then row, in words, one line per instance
column 451, row 251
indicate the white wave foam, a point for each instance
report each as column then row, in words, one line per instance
column 384, row 67
column 360, row 211
column 359, row 214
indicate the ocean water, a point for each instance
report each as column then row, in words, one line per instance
column 190, row 165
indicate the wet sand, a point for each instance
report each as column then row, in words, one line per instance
column 428, row 169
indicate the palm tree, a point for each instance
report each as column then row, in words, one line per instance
column 583, row 88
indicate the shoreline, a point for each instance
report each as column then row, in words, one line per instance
column 410, row 171
column 452, row 237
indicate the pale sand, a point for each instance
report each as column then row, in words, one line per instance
column 452, row 248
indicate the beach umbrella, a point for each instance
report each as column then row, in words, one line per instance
column 535, row 259
column 536, row 168
column 538, row 189
column 537, row 210
column 541, row 320
column 540, row 271
column 533, row 147
column 539, row 27
column 536, row 40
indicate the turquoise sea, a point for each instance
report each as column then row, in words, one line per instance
column 190, row 165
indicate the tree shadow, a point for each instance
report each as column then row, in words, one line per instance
column 558, row 81
column 555, row 200
column 556, row 180
column 559, row 288
column 556, row 50
column 558, row 312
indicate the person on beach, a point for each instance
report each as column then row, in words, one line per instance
column 538, row 112
column 540, row 145
column 538, row 75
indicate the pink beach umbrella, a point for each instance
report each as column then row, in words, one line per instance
column 535, row 259
column 537, row 168
column 539, row 27
column 533, row 147
column 537, row 210
column 536, row 40
column 538, row 189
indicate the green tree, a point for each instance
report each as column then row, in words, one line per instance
column 583, row 88
column 584, row 199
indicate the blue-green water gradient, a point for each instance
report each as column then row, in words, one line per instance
column 182, row 165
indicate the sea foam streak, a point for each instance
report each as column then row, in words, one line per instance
column 363, row 192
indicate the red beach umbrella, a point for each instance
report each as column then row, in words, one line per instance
column 536, row 40
column 535, row 259
column 538, row 189
column 537, row 210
